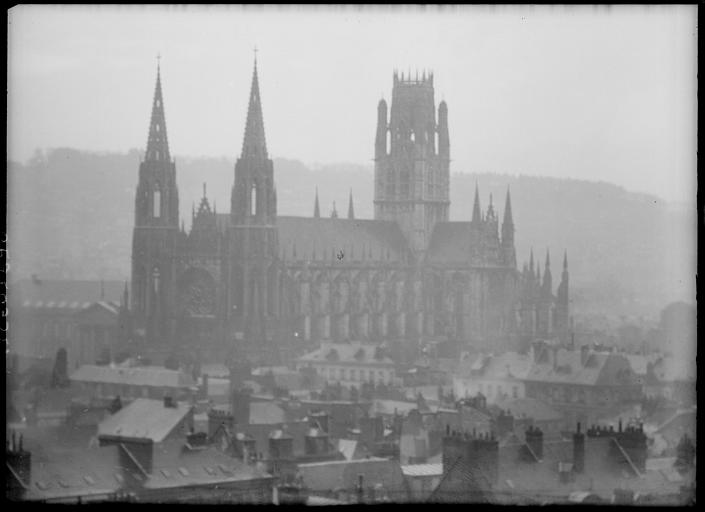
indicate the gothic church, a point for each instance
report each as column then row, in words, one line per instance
column 255, row 280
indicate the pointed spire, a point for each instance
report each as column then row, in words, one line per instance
column 531, row 262
column 548, row 259
column 157, row 144
column 565, row 261
column 476, row 213
column 490, row 210
column 204, row 190
column 508, row 219
column 334, row 213
column 316, row 208
column 254, row 143
column 351, row 210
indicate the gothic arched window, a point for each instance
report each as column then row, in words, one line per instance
column 157, row 201
column 155, row 280
column 253, row 200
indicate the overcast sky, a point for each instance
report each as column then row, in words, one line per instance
column 592, row 93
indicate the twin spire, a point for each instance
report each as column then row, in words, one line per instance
column 508, row 221
column 157, row 144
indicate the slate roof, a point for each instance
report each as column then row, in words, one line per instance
column 422, row 469
column 455, row 243
column 327, row 235
column 509, row 365
column 521, row 480
column 530, row 408
column 144, row 418
column 155, row 376
column 357, row 353
column 68, row 471
column 328, row 476
column 569, row 369
column 64, row 294
column 202, row 467
column 376, row 237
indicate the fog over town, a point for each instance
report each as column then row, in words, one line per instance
column 341, row 255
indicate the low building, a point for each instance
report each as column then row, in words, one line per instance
column 373, row 480
column 608, row 465
column 131, row 382
column 83, row 317
column 351, row 364
column 175, row 471
column 582, row 384
column 152, row 420
column 422, row 479
column 496, row 377
column 530, row 411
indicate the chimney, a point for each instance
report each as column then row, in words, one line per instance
column 321, row 417
column 197, row 440
column 20, row 461
column 169, row 402
column 281, row 446
column 467, row 455
column 240, row 407
column 534, row 440
column 505, row 422
column 578, row 450
column 218, row 418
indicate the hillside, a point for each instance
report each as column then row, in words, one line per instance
column 70, row 215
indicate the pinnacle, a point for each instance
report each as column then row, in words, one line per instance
column 254, row 143
column 157, row 144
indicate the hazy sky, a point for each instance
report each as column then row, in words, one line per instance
column 594, row 93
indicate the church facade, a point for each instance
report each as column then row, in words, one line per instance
column 252, row 279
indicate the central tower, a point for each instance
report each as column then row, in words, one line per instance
column 412, row 157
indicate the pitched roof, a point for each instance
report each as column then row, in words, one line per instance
column 509, row 365
column 435, row 469
column 135, row 376
column 455, row 242
column 328, row 476
column 64, row 294
column 530, row 408
column 354, row 352
column 358, row 239
column 144, row 419
column 600, row 368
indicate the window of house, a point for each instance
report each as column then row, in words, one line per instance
column 353, row 374
column 515, row 392
column 342, row 374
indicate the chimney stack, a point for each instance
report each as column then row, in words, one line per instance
column 578, row 450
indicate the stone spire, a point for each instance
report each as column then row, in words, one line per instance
column 476, row 213
column 254, row 143
column 547, row 280
column 508, row 222
column 351, row 210
column 316, row 208
column 334, row 213
column 157, row 144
